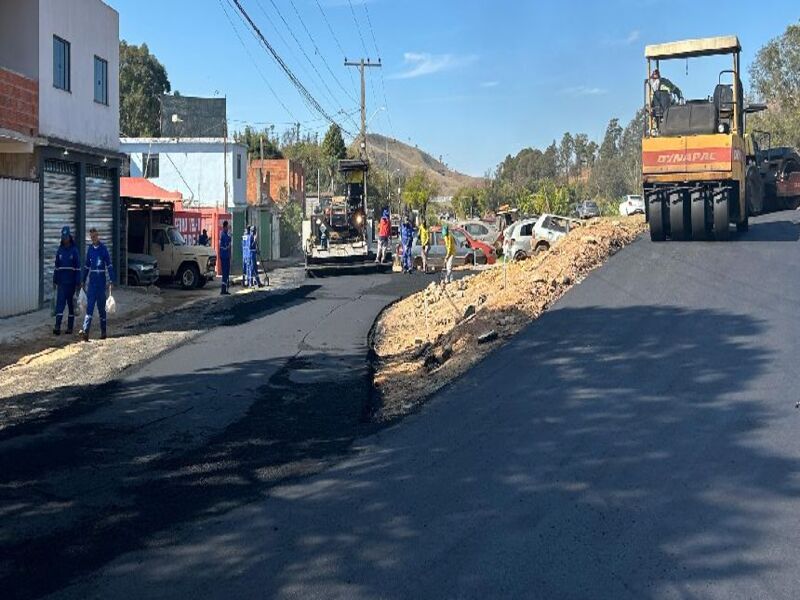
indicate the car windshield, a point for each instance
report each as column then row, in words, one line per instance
column 176, row 238
column 590, row 205
column 635, row 198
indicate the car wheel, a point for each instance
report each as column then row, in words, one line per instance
column 542, row 247
column 189, row 276
column 133, row 278
column 520, row 255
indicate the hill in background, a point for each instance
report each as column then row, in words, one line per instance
column 409, row 159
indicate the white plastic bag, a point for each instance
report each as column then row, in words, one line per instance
column 111, row 305
column 83, row 301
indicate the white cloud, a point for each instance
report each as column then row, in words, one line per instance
column 419, row 64
column 584, row 90
column 627, row 40
column 490, row 84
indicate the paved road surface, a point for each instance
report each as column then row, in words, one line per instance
column 273, row 393
column 639, row 441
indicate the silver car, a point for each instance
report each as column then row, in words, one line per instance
column 480, row 230
column 436, row 253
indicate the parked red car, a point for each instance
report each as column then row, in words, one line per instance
column 487, row 249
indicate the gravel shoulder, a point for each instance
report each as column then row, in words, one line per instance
column 427, row 340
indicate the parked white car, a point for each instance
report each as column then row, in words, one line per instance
column 632, row 205
column 517, row 239
column 549, row 229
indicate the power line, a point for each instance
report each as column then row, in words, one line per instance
column 285, row 68
column 255, row 63
column 322, row 56
column 335, row 38
column 364, row 46
column 303, row 51
column 383, row 84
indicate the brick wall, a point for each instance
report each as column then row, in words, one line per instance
column 19, row 103
column 283, row 175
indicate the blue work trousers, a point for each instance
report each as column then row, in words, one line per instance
column 65, row 297
column 95, row 295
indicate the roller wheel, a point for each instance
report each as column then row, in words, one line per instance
column 700, row 228
column 657, row 221
column 679, row 217
column 722, row 217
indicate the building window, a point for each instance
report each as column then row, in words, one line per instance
column 238, row 166
column 100, row 80
column 150, row 165
column 61, row 64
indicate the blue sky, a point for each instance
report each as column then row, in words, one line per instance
column 469, row 80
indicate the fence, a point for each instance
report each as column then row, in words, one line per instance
column 19, row 256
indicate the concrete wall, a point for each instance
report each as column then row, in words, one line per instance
column 92, row 29
column 19, row 34
column 194, row 168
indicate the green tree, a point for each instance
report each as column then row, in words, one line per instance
column 252, row 139
column 333, row 150
column 142, row 80
column 418, row 191
column 775, row 79
column 291, row 219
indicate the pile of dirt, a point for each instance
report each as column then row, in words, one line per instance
column 426, row 340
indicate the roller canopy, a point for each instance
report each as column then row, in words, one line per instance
column 690, row 48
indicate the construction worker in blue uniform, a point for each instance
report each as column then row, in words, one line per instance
column 225, row 245
column 246, row 257
column 98, row 262
column 407, row 239
column 254, row 278
column 66, row 280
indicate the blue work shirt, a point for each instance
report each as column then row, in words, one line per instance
column 98, row 262
column 407, row 233
column 224, row 245
column 67, row 271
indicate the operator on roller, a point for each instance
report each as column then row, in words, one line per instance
column 658, row 83
column 98, row 262
column 66, row 280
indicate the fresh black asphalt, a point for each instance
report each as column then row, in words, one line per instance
column 638, row 441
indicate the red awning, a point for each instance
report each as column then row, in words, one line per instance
column 143, row 189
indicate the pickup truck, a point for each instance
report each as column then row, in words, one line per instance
column 191, row 266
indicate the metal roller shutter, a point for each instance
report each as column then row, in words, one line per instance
column 100, row 205
column 60, row 208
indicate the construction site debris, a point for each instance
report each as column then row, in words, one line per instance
column 464, row 320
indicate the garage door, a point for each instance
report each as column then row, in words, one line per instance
column 60, row 208
column 100, row 205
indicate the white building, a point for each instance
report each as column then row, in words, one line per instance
column 59, row 133
column 208, row 171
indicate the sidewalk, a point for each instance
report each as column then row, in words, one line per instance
column 32, row 332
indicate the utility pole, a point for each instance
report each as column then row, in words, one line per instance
column 297, row 137
column 261, row 171
column 362, row 65
column 225, row 161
